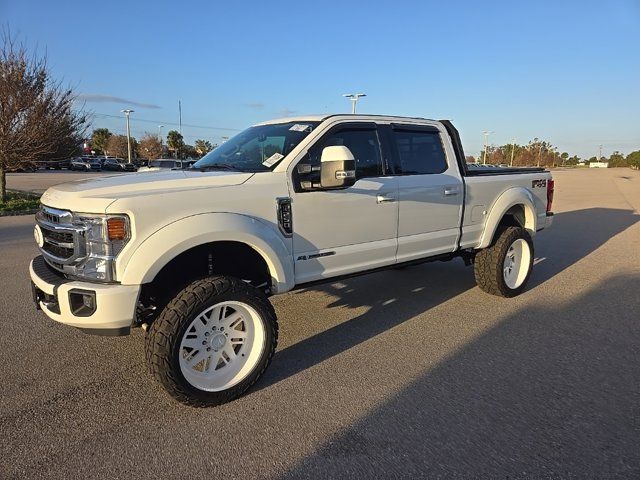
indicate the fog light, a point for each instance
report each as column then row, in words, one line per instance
column 82, row 302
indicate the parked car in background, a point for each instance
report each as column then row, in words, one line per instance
column 96, row 164
column 128, row 167
column 81, row 163
column 54, row 164
column 118, row 165
column 161, row 164
column 185, row 164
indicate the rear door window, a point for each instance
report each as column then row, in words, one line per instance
column 419, row 152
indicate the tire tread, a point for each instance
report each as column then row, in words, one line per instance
column 488, row 263
column 160, row 340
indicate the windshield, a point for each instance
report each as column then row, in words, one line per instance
column 257, row 149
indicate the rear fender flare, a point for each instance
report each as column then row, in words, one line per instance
column 510, row 198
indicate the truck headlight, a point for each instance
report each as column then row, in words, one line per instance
column 105, row 236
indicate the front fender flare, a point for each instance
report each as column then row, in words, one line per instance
column 510, row 198
column 165, row 244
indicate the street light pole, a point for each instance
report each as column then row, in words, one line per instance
column 540, row 153
column 513, row 149
column 354, row 97
column 486, row 145
column 127, row 112
column 160, row 133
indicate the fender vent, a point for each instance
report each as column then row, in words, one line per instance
column 285, row 216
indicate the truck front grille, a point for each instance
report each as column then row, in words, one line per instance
column 62, row 241
column 57, row 251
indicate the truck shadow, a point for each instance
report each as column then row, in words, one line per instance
column 549, row 391
column 573, row 236
column 395, row 296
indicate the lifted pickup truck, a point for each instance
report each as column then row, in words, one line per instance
column 192, row 256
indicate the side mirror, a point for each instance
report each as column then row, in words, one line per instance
column 337, row 167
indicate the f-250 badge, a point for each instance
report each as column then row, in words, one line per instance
column 539, row 183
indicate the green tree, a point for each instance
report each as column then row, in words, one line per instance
column 203, row 147
column 617, row 160
column 633, row 159
column 175, row 142
column 37, row 118
column 100, row 140
column 189, row 151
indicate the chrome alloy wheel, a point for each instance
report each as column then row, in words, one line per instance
column 222, row 346
column 516, row 263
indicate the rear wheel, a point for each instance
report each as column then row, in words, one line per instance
column 504, row 268
column 212, row 342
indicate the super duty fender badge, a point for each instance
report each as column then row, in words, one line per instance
column 311, row 256
column 538, row 183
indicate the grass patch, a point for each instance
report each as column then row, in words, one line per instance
column 19, row 202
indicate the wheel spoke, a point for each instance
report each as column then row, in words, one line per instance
column 229, row 351
column 231, row 320
column 195, row 343
column 233, row 333
column 194, row 360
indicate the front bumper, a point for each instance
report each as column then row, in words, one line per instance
column 115, row 305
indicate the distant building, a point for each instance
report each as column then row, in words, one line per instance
column 598, row 164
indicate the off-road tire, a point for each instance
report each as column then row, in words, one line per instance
column 488, row 265
column 162, row 341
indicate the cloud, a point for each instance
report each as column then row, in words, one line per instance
column 285, row 112
column 97, row 98
column 255, row 105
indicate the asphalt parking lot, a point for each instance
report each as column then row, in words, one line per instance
column 406, row 373
column 38, row 182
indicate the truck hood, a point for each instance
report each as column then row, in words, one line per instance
column 94, row 195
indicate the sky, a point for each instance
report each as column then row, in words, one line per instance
column 564, row 71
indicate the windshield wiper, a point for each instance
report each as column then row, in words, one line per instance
column 219, row 166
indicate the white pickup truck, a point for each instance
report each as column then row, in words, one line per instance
column 192, row 256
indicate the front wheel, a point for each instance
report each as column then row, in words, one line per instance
column 212, row 341
column 504, row 268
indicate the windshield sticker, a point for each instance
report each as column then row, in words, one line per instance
column 300, row 127
column 273, row 159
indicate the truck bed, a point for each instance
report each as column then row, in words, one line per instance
column 475, row 169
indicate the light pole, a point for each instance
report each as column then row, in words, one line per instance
column 486, row 145
column 540, row 153
column 160, row 127
column 127, row 112
column 354, row 97
column 513, row 149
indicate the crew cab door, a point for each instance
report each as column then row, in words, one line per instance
column 336, row 232
column 431, row 191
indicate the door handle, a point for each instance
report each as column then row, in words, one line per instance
column 382, row 198
column 451, row 191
